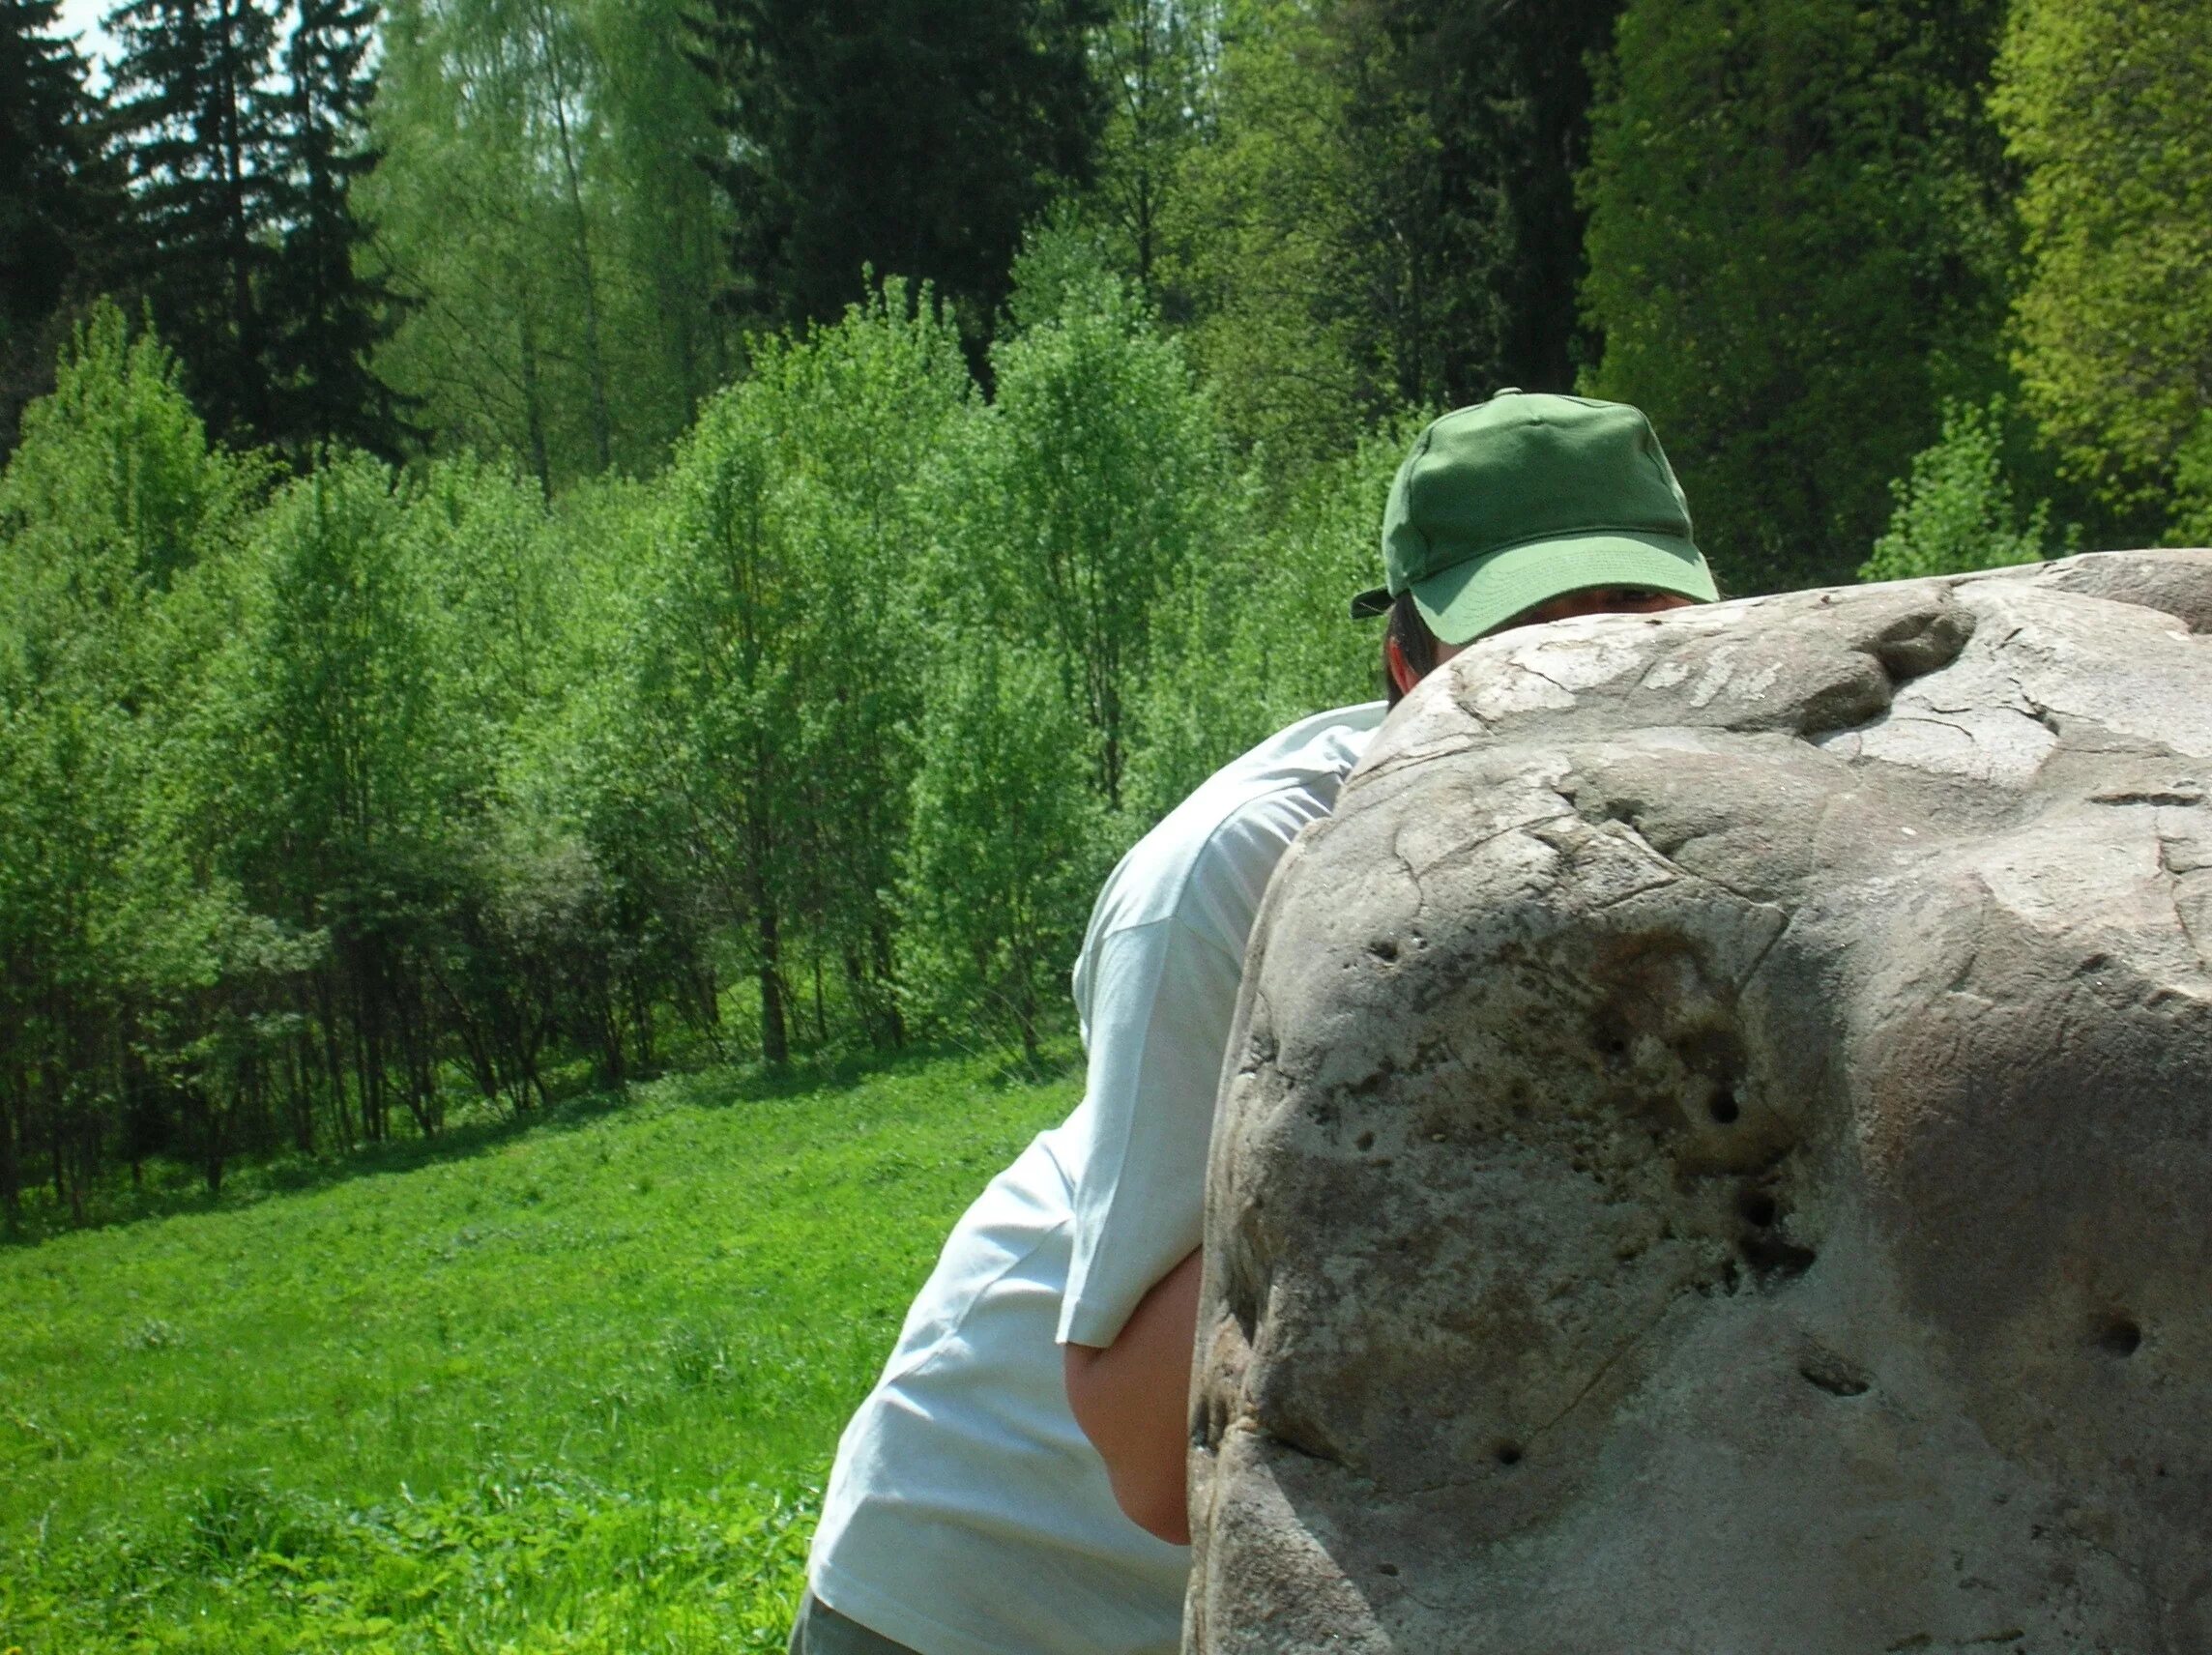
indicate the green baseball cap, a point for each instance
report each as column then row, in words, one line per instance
column 1525, row 498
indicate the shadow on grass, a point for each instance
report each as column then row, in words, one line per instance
column 168, row 1188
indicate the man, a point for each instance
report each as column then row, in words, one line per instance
column 996, row 1495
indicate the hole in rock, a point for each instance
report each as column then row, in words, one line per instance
column 2121, row 1337
column 1509, row 1453
column 1386, row 1569
column 1384, row 948
column 1365, row 1141
column 1771, row 1257
column 1756, row 1207
column 1723, row 1106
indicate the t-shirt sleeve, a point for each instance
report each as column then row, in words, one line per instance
column 1162, row 998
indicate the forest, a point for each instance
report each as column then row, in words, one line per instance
column 544, row 538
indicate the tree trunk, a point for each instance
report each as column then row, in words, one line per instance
column 11, row 1154
column 533, row 403
column 775, row 1042
column 887, row 980
column 594, row 358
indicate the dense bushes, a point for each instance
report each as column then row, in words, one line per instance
column 335, row 803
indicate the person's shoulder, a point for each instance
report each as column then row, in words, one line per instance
column 1239, row 821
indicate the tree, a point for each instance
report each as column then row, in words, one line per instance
column 111, row 502
column 775, row 667
column 1005, row 851
column 1955, row 511
column 914, row 137
column 1098, row 481
column 2103, row 105
column 1797, row 241
column 1266, row 639
column 346, row 783
column 1152, row 58
column 203, row 151
column 1382, row 212
column 327, row 314
column 60, row 198
column 541, row 209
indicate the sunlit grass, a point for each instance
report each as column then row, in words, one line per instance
column 572, row 1387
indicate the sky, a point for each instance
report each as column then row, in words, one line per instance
column 81, row 18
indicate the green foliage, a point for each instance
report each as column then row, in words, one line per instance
column 1796, row 250
column 1378, row 214
column 326, row 309
column 570, row 1388
column 241, row 196
column 916, row 136
column 773, row 672
column 541, row 205
column 60, row 197
column 2103, row 105
column 1268, row 639
column 1151, row 60
column 1099, row 488
column 1955, row 511
column 2192, row 519
column 1005, row 851
column 109, row 503
column 114, row 479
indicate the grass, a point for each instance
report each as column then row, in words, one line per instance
column 568, row 1388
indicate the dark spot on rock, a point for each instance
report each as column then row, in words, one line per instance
column 1384, row 948
column 1509, row 1453
column 1365, row 1141
column 2179, row 795
column 2120, row 1337
column 1836, row 1375
column 1391, row 1569
column 1756, row 1207
column 1722, row 1107
column 1773, row 1259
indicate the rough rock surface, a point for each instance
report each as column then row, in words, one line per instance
column 1717, row 1148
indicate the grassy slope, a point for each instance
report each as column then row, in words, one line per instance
column 569, row 1391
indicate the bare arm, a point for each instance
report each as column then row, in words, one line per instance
column 1132, row 1399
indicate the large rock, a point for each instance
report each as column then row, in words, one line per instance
column 1716, row 1153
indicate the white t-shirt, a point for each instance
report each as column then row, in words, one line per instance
column 967, row 1513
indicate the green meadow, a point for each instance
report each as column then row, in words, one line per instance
column 570, row 1385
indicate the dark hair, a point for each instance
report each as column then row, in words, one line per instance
column 1415, row 642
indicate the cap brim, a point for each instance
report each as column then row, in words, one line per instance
column 1463, row 602
column 1366, row 605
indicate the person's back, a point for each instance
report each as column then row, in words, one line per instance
column 1000, row 1489
column 967, row 1514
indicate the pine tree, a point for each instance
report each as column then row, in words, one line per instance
column 204, row 160
column 915, row 135
column 59, row 197
column 325, row 316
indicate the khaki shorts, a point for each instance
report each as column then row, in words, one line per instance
column 821, row 1630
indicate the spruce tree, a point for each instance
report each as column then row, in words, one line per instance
column 915, row 135
column 325, row 316
column 58, row 197
column 203, row 153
